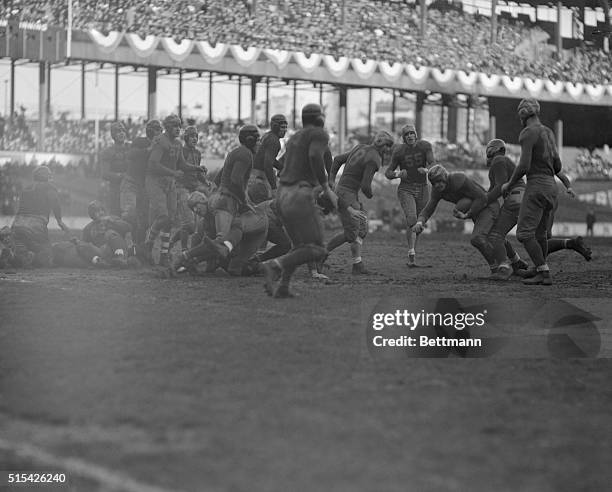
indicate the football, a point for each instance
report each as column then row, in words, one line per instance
column 463, row 205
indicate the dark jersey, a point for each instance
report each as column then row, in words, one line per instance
column 166, row 157
column 410, row 158
column 114, row 162
column 360, row 165
column 236, row 172
column 298, row 166
column 39, row 199
column 544, row 155
column 94, row 231
column 500, row 172
column 459, row 186
column 265, row 156
column 137, row 159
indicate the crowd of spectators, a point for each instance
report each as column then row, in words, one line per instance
column 592, row 166
column 385, row 31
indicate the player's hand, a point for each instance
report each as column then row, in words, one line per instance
column 460, row 215
column 504, row 189
column 570, row 191
column 422, row 170
column 333, row 198
column 357, row 214
column 418, row 228
column 403, row 174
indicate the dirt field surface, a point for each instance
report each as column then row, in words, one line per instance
column 125, row 381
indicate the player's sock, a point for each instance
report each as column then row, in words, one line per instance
column 165, row 242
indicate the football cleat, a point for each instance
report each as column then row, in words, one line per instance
column 220, row 250
column 526, row 273
column 540, row 278
column 359, row 269
column 519, row 265
column 283, row 292
column 319, row 276
column 503, row 272
column 577, row 244
column 271, row 271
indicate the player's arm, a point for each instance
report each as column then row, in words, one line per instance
column 390, row 172
column 86, row 234
column 429, row 159
column 154, row 164
column 566, row 182
column 241, row 169
column 57, row 209
column 527, row 140
column 500, row 176
column 108, row 174
column 316, row 157
column 270, row 153
column 337, row 163
column 369, row 171
column 182, row 165
column 479, row 198
column 427, row 212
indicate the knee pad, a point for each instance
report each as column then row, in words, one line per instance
column 358, row 240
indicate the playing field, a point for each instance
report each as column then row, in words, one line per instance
column 124, row 381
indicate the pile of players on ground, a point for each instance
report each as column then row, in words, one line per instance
column 161, row 194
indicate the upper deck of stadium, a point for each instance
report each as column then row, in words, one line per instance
column 449, row 37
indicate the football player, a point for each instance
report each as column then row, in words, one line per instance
column 540, row 162
column 29, row 229
column 409, row 162
column 360, row 165
column 453, row 187
column 165, row 164
column 114, row 164
column 262, row 182
column 303, row 171
column 133, row 197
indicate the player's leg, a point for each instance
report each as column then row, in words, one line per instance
column 504, row 255
column 303, row 225
column 166, row 225
column 117, row 245
column 408, row 203
column 533, row 220
column 158, row 213
column 483, row 223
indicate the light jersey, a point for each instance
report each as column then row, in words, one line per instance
column 459, row 186
column 236, row 171
column 360, row 165
column 544, row 155
column 410, row 158
column 297, row 162
column 39, row 199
